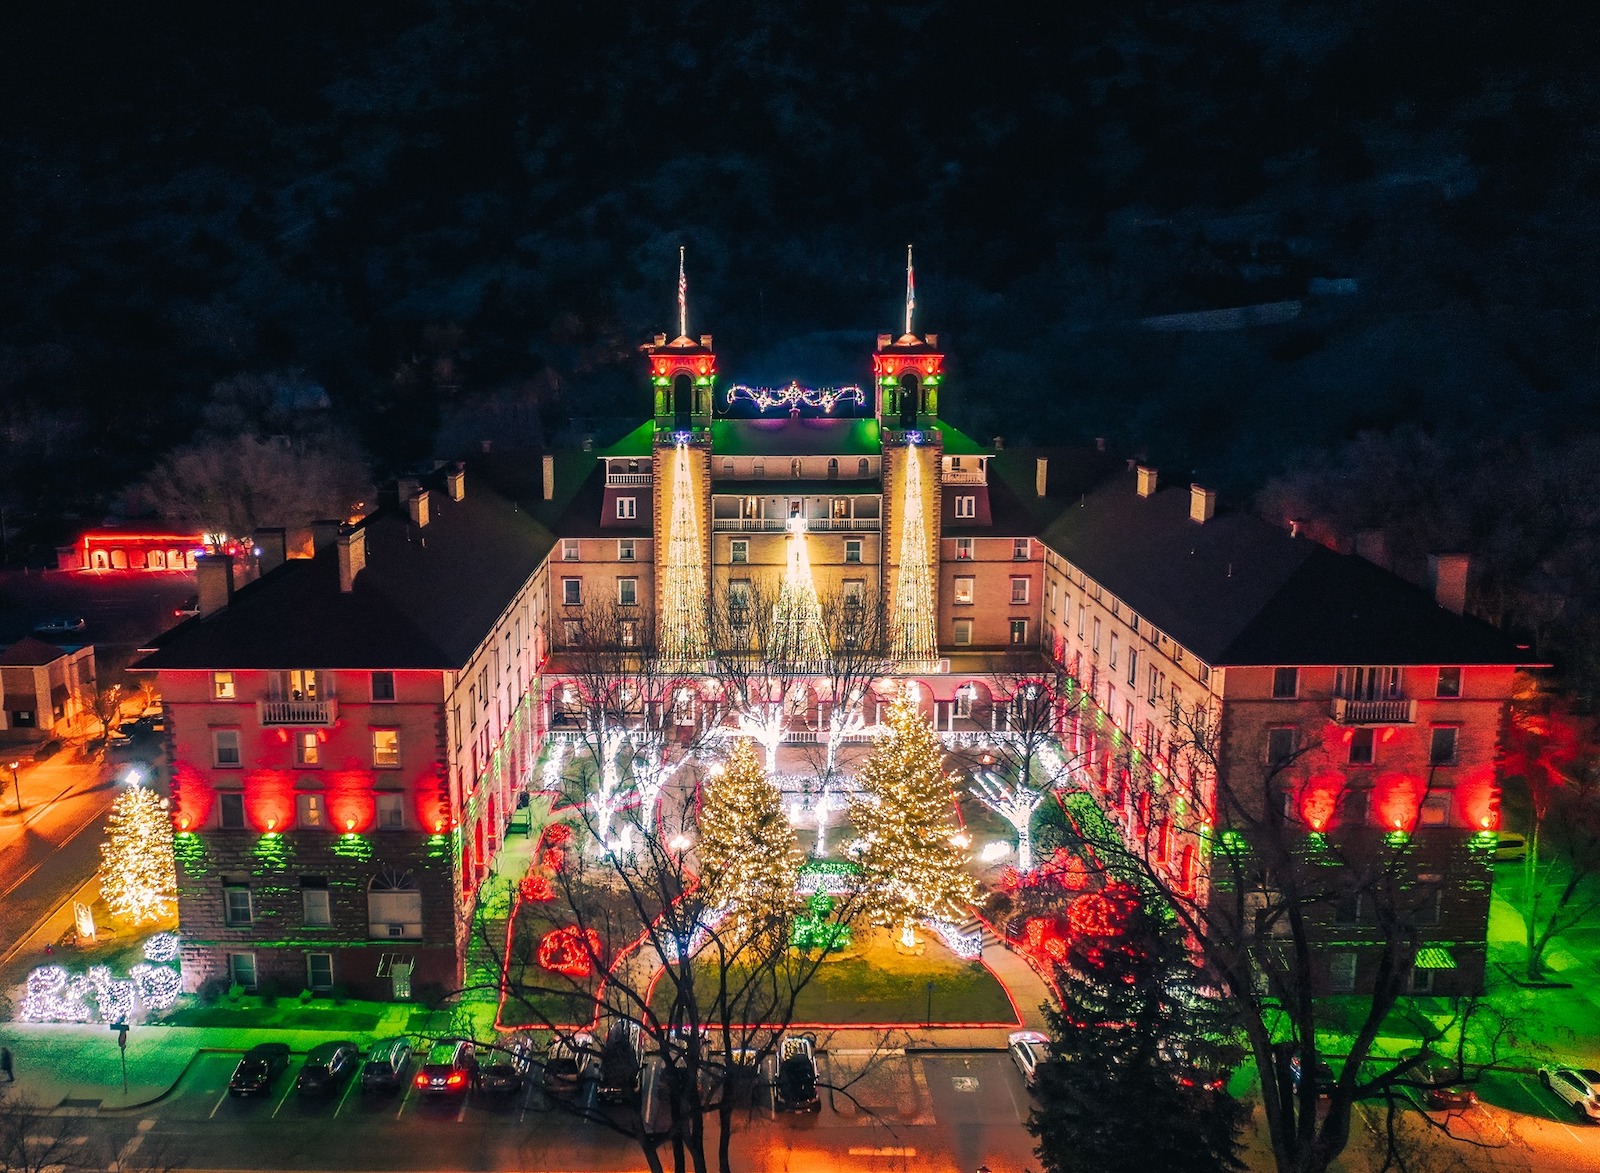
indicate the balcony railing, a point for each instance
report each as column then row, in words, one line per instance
column 1391, row 712
column 628, row 480
column 775, row 525
column 317, row 712
column 965, row 476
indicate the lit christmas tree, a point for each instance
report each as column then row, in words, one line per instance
column 749, row 859
column 138, row 878
column 903, row 818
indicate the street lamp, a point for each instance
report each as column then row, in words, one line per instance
column 16, row 784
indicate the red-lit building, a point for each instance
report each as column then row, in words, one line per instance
column 117, row 549
column 348, row 734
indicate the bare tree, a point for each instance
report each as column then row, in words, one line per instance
column 708, row 998
column 32, row 1137
column 1258, row 916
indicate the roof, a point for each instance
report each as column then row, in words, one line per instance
column 426, row 599
column 796, row 437
column 638, row 442
column 956, row 442
column 1236, row 591
column 28, row 652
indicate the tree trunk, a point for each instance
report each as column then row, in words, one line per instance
column 1025, row 844
column 1531, row 892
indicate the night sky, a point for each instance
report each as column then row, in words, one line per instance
column 444, row 215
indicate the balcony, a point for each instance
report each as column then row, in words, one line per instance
column 628, row 480
column 965, row 476
column 315, row 712
column 777, row 525
column 1391, row 712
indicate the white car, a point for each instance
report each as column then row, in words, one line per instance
column 1576, row 1087
column 1028, row 1049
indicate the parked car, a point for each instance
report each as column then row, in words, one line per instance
column 120, row 740
column 655, row 1108
column 508, row 1067
column 1510, row 848
column 571, row 1063
column 189, row 608
column 796, row 1089
column 1450, row 1098
column 60, row 625
column 449, row 1068
column 259, row 1069
column 385, row 1068
column 327, row 1067
column 1028, row 1049
column 1577, row 1087
column 620, row 1062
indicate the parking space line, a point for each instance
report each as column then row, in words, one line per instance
column 461, row 1114
column 287, row 1089
column 349, row 1086
column 409, row 1085
column 218, row 1105
column 1560, row 1103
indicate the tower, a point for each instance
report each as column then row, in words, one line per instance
column 683, row 372
column 908, row 370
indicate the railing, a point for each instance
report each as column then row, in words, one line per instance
column 628, row 479
column 275, row 712
column 1392, row 712
column 965, row 476
column 775, row 525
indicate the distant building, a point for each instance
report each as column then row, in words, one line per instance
column 44, row 687
column 132, row 550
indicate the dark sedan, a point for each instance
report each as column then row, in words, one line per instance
column 327, row 1067
column 259, row 1069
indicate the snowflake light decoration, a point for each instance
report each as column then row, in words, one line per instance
column 794, row 395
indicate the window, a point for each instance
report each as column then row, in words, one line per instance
column 1449, row 683
column 1352, row 808
column 1095, row 646
column 627, row 592
column 571, row 632
column 1442, row 749
column 1361, row 741
column 391, row 812
column 1153, row 691
column 1435, row 811
column 319, row 971
column 394, row 907
column 1347, row 909
column 852, row 550
column 236, row 909
column 383, row 686
column 572, row 592
column 1052, row 598
column 963, row 594
column 738, row 594
column 963, row 701
column 1021, row 549
column 1019, row 631
column 1083, row 614
column 225, row 747
column 627, row 508
column 569, row 549
column 863, row 467
column 230, row 811
column 760, row 469
column 222, row 686
column 307, row 749
column 1113, row 651
column 855, row 590
column 628, row 633
column 796, row 468
column 963, row 633
column 385, row 748
column 1281, row 744
column 1285, row 684
column 963, row 549
column 741, row 550
column 310, row 811
column 833, row 468
column 242, row 969
column 314, row 901
column 1342, row 972
column 1202, row 672
column 1019, row 590
column 966, row 506
column 625, row 550
column 727, row 467
column 841, row 508
column 1421, row 981
column 1133, row 667
column 1367, row 684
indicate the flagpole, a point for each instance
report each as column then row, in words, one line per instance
column 683, row 297
column 911, row 289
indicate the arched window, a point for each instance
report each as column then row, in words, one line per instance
column 833, row 468
column 795, row 468
column 682, row 400
column 863, row 467
column 394, row 906
column 908, row 401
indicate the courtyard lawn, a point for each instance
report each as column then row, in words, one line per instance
column 872, row 983
column 285, row 1014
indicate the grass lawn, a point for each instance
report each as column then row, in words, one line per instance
column 874, row 983
column 287, row 1014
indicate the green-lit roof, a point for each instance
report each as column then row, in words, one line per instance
column 636, row 443
column 958, row 443
column 796, row 437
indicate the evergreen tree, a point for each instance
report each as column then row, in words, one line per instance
column 1140, row 1057
column 749, row 860
column 903, row 817
column 138, row 877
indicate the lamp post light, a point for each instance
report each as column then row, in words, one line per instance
column 16, row 783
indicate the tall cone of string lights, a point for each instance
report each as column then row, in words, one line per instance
column 798, row 624
column 913, row 633
column 749, row 860
column 683, row 620
column 138, row 878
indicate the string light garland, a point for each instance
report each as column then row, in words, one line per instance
column 794, row 395
column 683, row 624
column 913, row 629
column 138, row 873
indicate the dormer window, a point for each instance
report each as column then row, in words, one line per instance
column 966, row 506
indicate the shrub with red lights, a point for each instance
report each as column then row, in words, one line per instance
column 537, row 887
column 570, row 951
column 554, row 859
column 557, row 835
column 1103, row 914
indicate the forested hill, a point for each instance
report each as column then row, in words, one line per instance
column 435, row 210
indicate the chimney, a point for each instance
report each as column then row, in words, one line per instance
column 352, row 543
column 1146, row 480
column 1202, row 504
column 417, row 503
column 1449, row 575
column 1099, row 443
column 588, row 443
column 999, row 444
column 549, row 477
column 661, row 339
column 1373, row 545
column 1041, row 475
column 214, row 575
column 931, row 339
column 274, row 547
column 705, row 341
column 884, row 340
column 407, row 488
column 323, row 534
column 455, row 482
column 1295, row 526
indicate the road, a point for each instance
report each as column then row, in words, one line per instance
column 932, row 1113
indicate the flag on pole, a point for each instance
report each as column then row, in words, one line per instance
column 911, row 289
column 683, row 297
